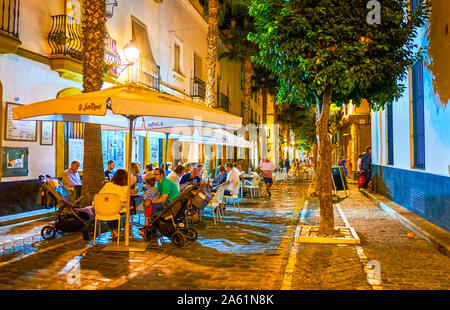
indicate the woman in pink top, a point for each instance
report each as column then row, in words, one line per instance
column 267, row 166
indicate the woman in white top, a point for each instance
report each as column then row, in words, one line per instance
column 358, row 164
column 118, row 185
column 176, row 174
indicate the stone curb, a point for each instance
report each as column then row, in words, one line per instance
column 436, row 236
column 26, row 216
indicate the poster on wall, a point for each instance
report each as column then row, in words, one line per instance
column 18, row 130
column 113, row 146
column 76, row 151
column 14, row 161
column 46, row 133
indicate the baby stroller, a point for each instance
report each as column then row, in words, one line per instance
column 70, row 216
column 171, row 222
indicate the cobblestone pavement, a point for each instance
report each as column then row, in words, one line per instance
column 251, row 249
column 406, row 263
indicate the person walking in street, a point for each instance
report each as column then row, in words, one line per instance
column 358, row 163
column 297, row 167
column 341, row 163
column 366, row 166
column 287, row 166
column 109, row 173
column 267, row 166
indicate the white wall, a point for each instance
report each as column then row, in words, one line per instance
column 437, row 126
column 30, row 81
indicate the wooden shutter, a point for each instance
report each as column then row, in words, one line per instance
column 198, row 66
column 140, row 37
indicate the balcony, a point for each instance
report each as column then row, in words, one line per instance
column 198, row 88
column 66, row 47
column 148, row 79
column 9, row 27
column 223, row 102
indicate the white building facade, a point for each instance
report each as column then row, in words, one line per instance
column 411, row 137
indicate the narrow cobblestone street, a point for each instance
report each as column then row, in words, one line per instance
column 250, row 250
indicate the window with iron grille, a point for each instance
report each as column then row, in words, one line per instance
column 418, row 115
column 390, row 134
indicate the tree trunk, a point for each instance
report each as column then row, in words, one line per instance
column 94, row 31
column 264, row 105
column 247, row 89
column 213, row 34
column 325, row 184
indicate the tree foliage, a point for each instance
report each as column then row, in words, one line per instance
column 314, row 44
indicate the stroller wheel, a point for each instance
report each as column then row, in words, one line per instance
column 177, row 239
column 48, row 232
column 191, row 234
column 88, row 233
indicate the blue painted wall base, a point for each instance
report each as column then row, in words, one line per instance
column 425, row 194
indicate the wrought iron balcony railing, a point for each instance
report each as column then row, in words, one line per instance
column 65, row 37
column 148, row 79
column 9, row 10
column 112, row 57
column 198, row 88
column 223, row 102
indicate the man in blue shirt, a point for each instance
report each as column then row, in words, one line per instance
column 366, row 165
column 109, row 173
column 190, row 177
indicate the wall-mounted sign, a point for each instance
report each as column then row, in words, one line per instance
column 16, row 130
column 14, row 161
column 46, row 133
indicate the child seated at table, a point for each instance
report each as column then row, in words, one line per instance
column 150, row 194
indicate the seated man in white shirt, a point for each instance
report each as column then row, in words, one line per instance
column 71, row 179
column 232, row 181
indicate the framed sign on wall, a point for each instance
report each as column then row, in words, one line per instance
column 18, row 130
column 15, row 161
column 46, row 133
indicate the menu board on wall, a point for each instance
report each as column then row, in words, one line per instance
column 76, row 151
column 18, row 130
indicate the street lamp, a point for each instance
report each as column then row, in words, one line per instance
column 131, row 53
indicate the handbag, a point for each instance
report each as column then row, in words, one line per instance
column 361, row 180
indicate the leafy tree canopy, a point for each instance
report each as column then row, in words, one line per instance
column 314, row 44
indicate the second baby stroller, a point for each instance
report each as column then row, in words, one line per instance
column 171, row 222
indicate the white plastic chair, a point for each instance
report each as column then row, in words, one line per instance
column 107, row 207
column 234, row 197
column 216, row 203
column 253, row 186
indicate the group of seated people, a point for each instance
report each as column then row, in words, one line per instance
column 159, row 185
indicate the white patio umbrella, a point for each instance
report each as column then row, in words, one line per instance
column 125, row 106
